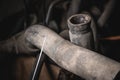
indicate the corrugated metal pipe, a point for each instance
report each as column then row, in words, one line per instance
column 80, row 61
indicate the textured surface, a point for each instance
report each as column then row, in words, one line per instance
column 83, row 62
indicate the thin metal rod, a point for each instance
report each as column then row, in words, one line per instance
column 38, row 61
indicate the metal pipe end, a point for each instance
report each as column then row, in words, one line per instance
column 79, row 19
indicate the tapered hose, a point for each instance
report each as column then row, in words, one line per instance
column 80, row 61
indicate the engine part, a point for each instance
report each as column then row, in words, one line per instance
column 80, row 31
column 107, row 12
column 80, row 61
column 49, row 11
column 74, row 7
column 17, row 44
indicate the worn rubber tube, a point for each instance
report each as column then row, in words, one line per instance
column 74, row 7
column 80, row 31
column 50, row 10
column 106, row 14
column 80, row 61
column 17, row 45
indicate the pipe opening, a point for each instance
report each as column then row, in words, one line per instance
column 79, row 19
